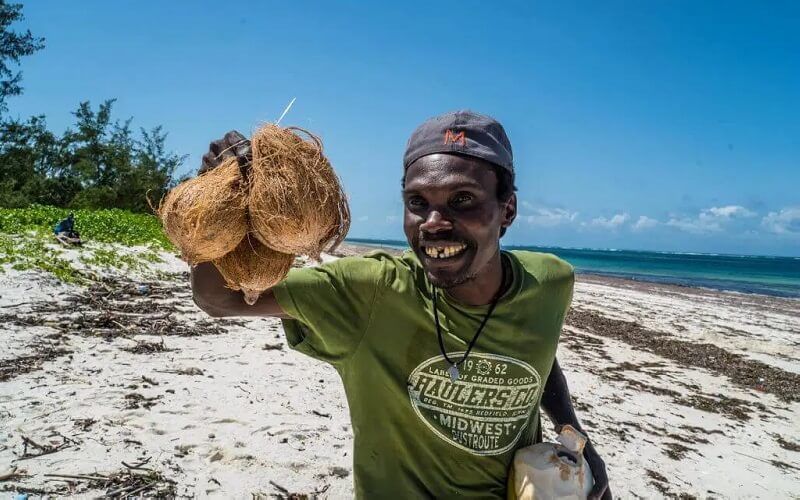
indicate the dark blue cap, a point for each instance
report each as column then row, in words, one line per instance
column 462, row 132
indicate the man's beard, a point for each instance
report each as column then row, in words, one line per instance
column 448, row 283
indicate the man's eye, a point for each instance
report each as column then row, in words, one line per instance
column 415, row 202
column 463, row 199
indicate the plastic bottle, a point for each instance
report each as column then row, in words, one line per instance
column 551, row 471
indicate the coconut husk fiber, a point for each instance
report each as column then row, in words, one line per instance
column 252, row 268
column 206, row 217
column 296, row 205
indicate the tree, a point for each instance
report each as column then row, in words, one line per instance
column 13, row 46
column 100, row 163
column 33, row 165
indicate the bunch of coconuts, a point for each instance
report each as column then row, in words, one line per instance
column 251, row 222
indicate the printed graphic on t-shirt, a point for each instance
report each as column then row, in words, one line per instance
column 486, row 410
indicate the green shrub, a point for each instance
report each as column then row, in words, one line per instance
column 106, row 225
column 26, row 240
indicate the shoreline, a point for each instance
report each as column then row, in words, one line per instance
column 347, row 249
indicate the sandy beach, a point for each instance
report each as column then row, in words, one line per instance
column 124, row 388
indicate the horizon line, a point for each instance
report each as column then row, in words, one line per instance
column 708, row 254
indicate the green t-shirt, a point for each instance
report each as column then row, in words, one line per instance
column 418, row 434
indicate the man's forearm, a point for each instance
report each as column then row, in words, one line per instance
column 557, row 403
column 556, row 400
column 212, row 296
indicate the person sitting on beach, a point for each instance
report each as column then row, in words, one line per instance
column 447, row 352
column 65, row 231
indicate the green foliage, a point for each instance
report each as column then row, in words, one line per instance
column 32, row 253
column 105, row 258
column 13, row 46
column 100, row 163
column 116, row 239
column 107, row 225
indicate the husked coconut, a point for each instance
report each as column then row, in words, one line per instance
column 252, row 268
column 296, row 202
column 206, row 217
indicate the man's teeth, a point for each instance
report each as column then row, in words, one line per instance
column 444, row 252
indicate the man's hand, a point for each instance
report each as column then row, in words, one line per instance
column 557, row 403
column 209, row 290
column 600, row 490
column 233, row 145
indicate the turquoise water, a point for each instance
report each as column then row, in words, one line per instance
column 779, row 276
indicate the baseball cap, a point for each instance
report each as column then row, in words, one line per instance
column 463, row 132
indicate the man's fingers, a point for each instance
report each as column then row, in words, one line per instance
column 598, row 492
column 216, row 147
column 233, row 144
column 233, row 137
column 209, row 162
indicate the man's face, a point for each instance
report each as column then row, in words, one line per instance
column 452, row 216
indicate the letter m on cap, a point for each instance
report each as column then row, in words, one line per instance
column 452, row 138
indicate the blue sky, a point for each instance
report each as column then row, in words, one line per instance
column 663, row 125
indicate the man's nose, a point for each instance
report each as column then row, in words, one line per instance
column 435, row 223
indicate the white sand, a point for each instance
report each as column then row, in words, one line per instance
column 255, row 417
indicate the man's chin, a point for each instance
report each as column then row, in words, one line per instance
column 447, row 280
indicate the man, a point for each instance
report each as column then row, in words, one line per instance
column 65, row 231
column 447, row 352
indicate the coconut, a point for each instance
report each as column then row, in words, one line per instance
column 206, row 217
column 296, row 202
column 252, row 268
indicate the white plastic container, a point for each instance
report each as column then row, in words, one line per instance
column 551, row 471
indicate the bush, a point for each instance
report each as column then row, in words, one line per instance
column 107, row 225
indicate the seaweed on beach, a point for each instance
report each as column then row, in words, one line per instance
column 134, row 481
column 785, row 444
column 734, row 408
column 114, row 307
column 134, row 401
column 14, row 367
column 748, row 373
column 145, row 347
column 110, row 307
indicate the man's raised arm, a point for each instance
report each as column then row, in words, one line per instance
column 208, row 286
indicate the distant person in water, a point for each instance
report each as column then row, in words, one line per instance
column 65, row 231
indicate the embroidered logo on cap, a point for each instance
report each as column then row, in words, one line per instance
column 452, row 138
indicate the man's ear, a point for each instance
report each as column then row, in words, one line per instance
column 510, row 210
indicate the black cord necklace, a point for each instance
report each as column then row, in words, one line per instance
column 453, row 369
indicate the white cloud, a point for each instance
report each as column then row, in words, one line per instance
column 644, row 222
column 613, row 223
column 363, row 218
column 391, row 219
column 697, row 226
column 710, row 220
column 548, row 217
column 728, row 212
column 787, row 221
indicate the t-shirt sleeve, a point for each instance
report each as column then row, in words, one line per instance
column 562, row 279
column 330, row 305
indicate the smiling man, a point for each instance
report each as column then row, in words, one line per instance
column 448, row 352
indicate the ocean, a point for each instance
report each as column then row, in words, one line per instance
column 778, row 276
